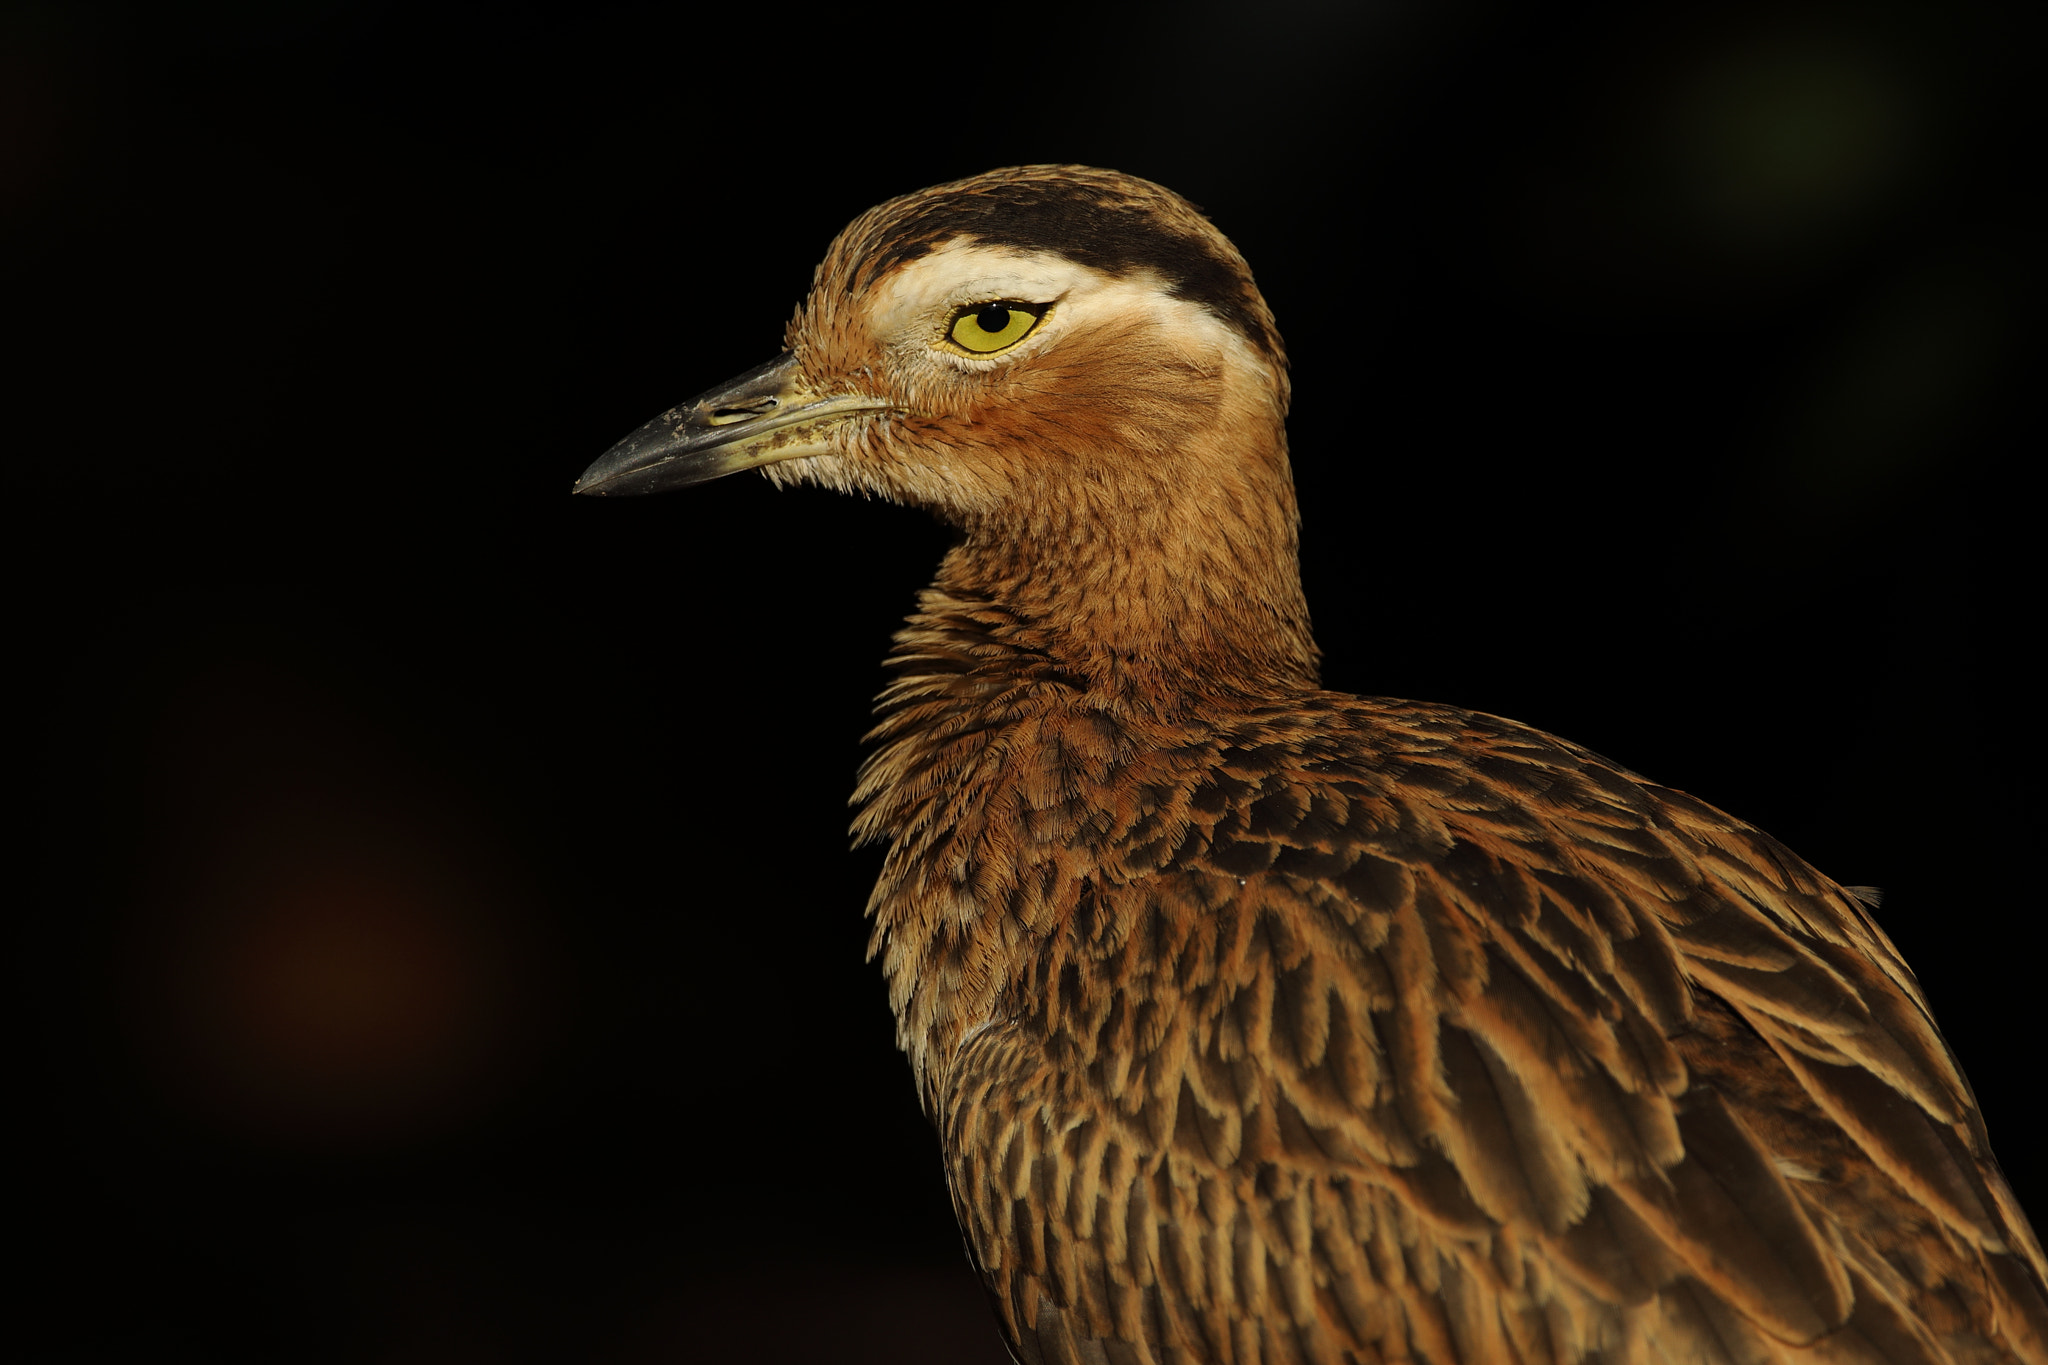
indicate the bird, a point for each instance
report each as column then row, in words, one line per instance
column 1261, row 1023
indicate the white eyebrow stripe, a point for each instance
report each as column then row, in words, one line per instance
column 964, row 271
column 913, row 303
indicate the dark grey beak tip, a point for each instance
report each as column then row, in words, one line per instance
column 693, row 442
column 591, row 483
column 646, row 461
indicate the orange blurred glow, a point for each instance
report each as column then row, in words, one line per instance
column 342, row 995
column 328, row 949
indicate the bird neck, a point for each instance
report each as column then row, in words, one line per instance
column 1044, row 660
column 1111, row 608
column 1149, row 605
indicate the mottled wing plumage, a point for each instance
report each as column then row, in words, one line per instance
column 1387, row 1032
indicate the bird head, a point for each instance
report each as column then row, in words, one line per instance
column 1072, row 365
column 967, row 343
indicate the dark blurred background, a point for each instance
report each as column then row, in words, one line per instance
column 443, row 943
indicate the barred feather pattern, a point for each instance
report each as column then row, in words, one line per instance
column 1292, row 1026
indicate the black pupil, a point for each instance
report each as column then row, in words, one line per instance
column 993, row 317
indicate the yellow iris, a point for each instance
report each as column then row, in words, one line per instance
column 984, row 328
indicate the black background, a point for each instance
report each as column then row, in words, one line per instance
column 443, row 943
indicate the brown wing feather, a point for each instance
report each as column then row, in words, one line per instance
column 1388, row 1032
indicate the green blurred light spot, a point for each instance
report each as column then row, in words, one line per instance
column 1777, row 142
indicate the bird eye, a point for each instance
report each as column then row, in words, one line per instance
column 984, row 328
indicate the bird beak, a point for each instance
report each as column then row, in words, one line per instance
column 765, row 416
